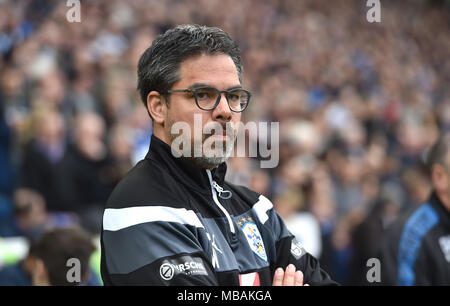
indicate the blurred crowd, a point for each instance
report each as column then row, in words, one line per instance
column 358, row 104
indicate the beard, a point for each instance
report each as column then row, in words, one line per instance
column 213, row 156
column 209, row 151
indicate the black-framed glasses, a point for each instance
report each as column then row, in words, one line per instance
column 207, row 98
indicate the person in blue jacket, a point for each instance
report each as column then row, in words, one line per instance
column 416, row 248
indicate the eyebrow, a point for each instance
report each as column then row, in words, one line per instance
column 196, row 85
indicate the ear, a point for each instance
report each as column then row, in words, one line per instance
column 157, row 107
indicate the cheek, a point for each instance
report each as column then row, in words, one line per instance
column 447, row 184
column 236, row 118
column 442, row 184
column 236, row 122
column 196, row 120
column 182, row 109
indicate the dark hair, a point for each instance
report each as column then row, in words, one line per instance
column 57, row 246
column 438, row 152
column 158, row 67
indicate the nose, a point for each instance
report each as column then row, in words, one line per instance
column 222, row 112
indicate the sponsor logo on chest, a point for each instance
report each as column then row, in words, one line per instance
column 186, row 265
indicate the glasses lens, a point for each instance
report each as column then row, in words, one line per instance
column 238, row 99
column 206, row 97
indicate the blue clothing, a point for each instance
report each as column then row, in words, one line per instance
column 416, row 248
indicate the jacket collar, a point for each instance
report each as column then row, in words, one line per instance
column 182, row 170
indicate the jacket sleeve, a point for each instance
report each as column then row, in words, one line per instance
column 154, row 252
column 288, row 250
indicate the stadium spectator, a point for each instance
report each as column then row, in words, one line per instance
column 84, row 173
column 42, row 155
column 367, row 236
column 32, row 218
column 416, row 248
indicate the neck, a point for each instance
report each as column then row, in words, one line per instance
column 159, row 132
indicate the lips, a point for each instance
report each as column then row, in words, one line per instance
column 218, row 133
column 218, row 137
column 224, row 137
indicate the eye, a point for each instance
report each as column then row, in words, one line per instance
column 234, row 96
column 206, row 94
column 202, row 95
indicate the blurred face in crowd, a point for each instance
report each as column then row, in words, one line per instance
column 30, row 212
column 10, row 82
column 218, row 71
column 89, row 132
column 288, row 202
column 50, row 128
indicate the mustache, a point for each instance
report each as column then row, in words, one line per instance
column 219, row 128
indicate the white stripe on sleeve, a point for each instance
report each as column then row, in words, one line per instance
column 117, row 219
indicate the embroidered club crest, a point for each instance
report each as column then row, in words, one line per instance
column 254, row 239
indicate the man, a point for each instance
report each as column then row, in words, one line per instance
column 174, row 220
column 416, row 250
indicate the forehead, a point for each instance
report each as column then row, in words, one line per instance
column 216, row 70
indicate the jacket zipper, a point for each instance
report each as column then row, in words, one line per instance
column 214, row 189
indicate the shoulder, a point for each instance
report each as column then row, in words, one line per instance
column 146, row 196
column 145, row 184
column 411, row 240
column 418, row 222
column 415, row 228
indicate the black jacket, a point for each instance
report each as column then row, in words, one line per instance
column 82, row 182
column 416, row 248
column 166, row 224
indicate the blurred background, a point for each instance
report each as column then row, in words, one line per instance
column 358, row 103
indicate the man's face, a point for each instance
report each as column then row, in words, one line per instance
column 218, row 71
